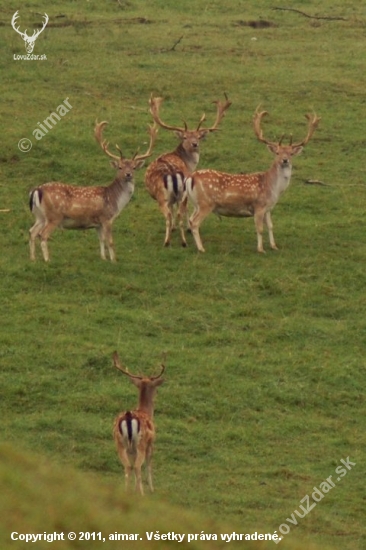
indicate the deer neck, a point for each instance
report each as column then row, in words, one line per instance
column 190, row 159
column 118, row 194
column 146, row 400
column 279, row 178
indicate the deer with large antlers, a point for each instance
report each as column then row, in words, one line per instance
column 246, row 195
column 29, row 41
column 134, row 431
column 164, row 178
column 58, row 204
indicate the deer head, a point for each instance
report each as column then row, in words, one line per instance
column 29, row 40
column 189, row 138
column 284, row 152
column 122, row 164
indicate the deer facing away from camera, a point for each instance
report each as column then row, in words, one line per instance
column 164, row 178
column 58, row 204
column 134, row 431
column 246, row 195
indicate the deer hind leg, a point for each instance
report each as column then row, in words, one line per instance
column 44, row 234
column 182, row 216
column 123, row 456
column 195, row 221
column 148, row 466
column 34, row 232
column 269, row 224
column 168, row 215
column 140, row 458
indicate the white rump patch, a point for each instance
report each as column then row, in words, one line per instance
column 134, row 427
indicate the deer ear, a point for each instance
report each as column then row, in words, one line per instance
column 158, row 382
column 204, row 133
column 139, row 164
column 115, row 164
column 297, row 150
column 179, row 134
column 272, row 147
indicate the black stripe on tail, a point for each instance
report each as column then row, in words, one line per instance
column 128, row 418
column 174, row 183
column 32, row 197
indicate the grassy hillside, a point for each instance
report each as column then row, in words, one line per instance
column 76, row 505
column 265, row 353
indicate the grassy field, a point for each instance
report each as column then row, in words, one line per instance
column 264, row 392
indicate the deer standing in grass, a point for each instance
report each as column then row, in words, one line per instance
column 134, row 431
column 246, row 195
column 164, row 178
column 58, row 204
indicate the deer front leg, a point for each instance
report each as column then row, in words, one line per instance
column 109, row 240
column 45, row 234
column 101, row 235
column 195, row 221
column 168, row 215
column 258, row 220
column 269, row 224
column 123, row 456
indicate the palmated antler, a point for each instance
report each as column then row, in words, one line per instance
column 313, row 124
column 155, row 103
column 222, row 107
column 258, row 115
column 98, row 133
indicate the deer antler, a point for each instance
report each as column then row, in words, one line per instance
column 162, row 366
column 155, row 103
column 313, row 124
column 98, row 134
column 153, row 130
column 221, row 109
column 118, row 366
column 258, row 115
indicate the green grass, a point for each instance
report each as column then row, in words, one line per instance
column 265, row 367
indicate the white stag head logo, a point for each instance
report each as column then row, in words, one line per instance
column 29, row 40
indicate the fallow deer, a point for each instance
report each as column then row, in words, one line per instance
column 246, row 195
column 58, row 204
column 134, row 431
column 164, row 178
